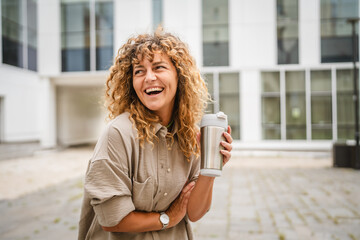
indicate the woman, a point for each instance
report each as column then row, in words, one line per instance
column 143, row 180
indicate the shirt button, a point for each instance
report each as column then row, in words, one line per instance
column 168, row 170
column 165, row 194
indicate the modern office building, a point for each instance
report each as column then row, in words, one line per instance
column 281, row 69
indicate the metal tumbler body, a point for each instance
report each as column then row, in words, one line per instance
column 211, row 136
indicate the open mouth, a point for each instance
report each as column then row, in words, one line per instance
column 154, row 91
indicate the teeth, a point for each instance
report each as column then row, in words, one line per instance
column 155, row 89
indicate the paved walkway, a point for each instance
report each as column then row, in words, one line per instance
column 256, row 198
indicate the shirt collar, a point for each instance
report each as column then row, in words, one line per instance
column 159, row 127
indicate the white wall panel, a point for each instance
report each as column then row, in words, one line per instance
column 49, row 37
column 131, row 18
column 309, row 32
column 183, row 18
column 19, row 89
column 252, row 33
column 250, row 105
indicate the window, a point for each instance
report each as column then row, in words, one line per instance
column 19, row 33
column 229, row 100
column 295, row 105
column 271, row 105
column 336, row 33
column 345, row 104
column 224, row 91
column 321, row 110
column 209, row 79
column 157, row 13
column 104, row 34
column 287, row 31
column 87, row 35
column 215, row 19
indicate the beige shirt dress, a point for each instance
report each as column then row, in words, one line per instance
column 123, row 177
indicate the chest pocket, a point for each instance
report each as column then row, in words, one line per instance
column 142, row 195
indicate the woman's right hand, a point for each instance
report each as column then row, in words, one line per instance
column 178, row 208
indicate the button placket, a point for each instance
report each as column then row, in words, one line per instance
column 162, row 163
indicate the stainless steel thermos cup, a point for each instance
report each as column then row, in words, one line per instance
column 212, row 128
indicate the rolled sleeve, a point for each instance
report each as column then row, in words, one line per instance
column 195, row 169
column 109, row 189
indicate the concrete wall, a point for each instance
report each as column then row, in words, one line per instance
column 20, row 93
column 80, row 114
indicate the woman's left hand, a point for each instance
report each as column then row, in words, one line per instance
column 226, row 152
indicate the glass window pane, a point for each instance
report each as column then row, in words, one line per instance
column 271, row 105
column 104, row 34
column 321, row 81
column 12, row 32
column 345, row 104
column 321, row 105
column 209, row 79
column 336, row 33
column 32, row 34
column 295, row 105
column 271, row 110
column 75, row 36
column 215, row 32
column 321, row 111
column 229, row 100
column 287, row 31
column 295, row 81
column 157, row 13
column 270, row 82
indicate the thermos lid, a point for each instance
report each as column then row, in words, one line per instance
column 218, row 119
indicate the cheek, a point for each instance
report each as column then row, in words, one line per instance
column 137, row 86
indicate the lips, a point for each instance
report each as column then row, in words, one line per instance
column 154, row 90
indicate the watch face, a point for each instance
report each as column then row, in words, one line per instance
column 164, row 218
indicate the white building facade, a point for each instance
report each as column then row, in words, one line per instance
column 281, row 70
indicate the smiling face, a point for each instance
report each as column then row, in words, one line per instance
column 155, row 84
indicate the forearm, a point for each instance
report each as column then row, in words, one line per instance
column 200, row 198
column 137, row 222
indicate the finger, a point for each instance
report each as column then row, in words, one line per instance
column 226, row 145
column 229, row 129
column 228, row 137
column 226, row 154
column 188, row 187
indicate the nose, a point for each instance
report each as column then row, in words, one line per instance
column 150, row 76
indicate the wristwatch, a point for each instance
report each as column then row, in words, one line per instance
column 164, row 219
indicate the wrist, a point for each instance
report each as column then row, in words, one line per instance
column 207, row 178
column 164, row 220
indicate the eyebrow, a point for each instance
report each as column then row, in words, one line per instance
column 154, row 63
column 160, row 62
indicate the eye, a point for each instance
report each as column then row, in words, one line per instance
column 159, row 67
column 136, row 72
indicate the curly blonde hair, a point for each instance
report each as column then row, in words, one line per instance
column 191, row 96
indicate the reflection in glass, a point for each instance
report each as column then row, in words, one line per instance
column 75, row 27
column 287, row 31
column 209, row 79
column 229, row 100
column 32, row 34
column 104, row 34
column 12, row 32
column 295, row 105
column 215, row 33
column 345, row 104
column 157, row 13
column 336, row 33
column 321, row 105
column 271, row 105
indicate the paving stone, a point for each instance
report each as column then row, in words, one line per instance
column 255, row 198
